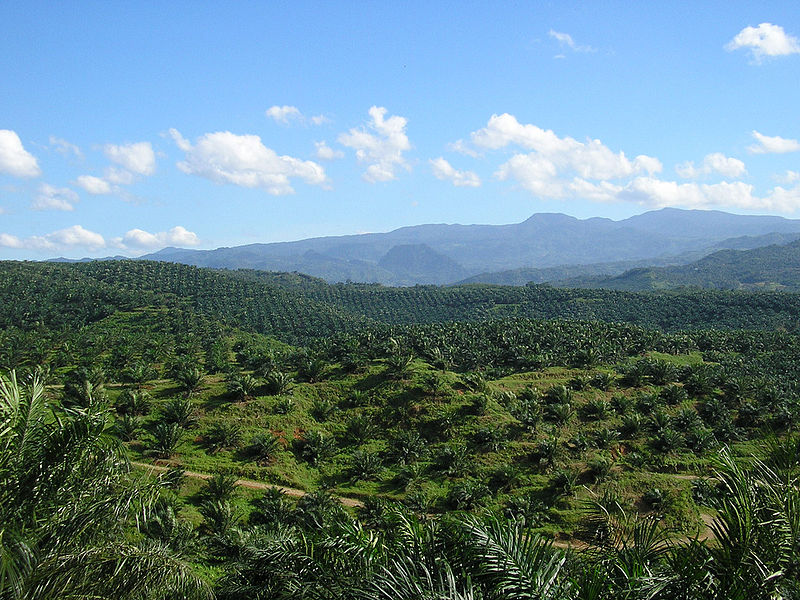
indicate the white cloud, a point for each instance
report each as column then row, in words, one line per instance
column 10, row 241
column 53, row 198
column 76, row 236
column 462, row 147
column 712, row 163
column 283, row 114
column 286, row 114
column 64, row 147
column 536, row 174
column 564, row 168
column 14, row 159
column 325, row 152
column 565, row 39
column 140, row 239
column 546, row 170
column 71, row 237
column 773, row 144
column 445, row 171
column 79, row 237
column 657, row 193
column 118, row 176
column 765, row 41
column 243, row 160
column 382, row 150
column 788, row 177
column 137, row 158
column 94, row 185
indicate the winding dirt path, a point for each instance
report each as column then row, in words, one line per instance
column 249, row 483
column 573, row 544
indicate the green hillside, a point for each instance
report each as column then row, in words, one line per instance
column 454, row 428
column 775, row 267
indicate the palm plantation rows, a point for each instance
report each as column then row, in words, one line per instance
column 174, row 432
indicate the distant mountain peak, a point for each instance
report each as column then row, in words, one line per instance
column 442, row 254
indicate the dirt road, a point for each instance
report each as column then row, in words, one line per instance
column 248, row 483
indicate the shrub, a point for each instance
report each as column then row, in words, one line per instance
column 365, row 465
column 322, row 409
column 278, row 383
column 631, row 424
column 602, row 381
column 284, row 406
column 653, row 497
column 263, row 447
column 359, row 428
column 220, row 488
column 595, row 409
column 271, row 509
column 180, row 412
column 242, row 387
column 466, row 495
column 315, row 447
column 133, row 402
column 489, row 438
column 407, row 446
column 127, row 427
column 166, row 437
column 453, row 460
column 222, row 434
column 600, row 467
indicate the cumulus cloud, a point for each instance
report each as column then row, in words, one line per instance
column 65, row 148
column 283, row 114
column 94, row 185
column 140, row 239
column 653, row 192
column 325, row 152
column 243, row 160
column 715, row 163
column 565, row 40
column 554, row 160
column 765, row 41
column 379, row 145
column 137, row 158
column 118, row 176
column 657, row 193
column 75, row 236
column 82, row 238
column 286, row 114
column 772, row 144
column 71, row 237
column 14, row 159
column 445, row 171
column 788, row 177
column 53, row 198
column 10, row 241
column 462, row 147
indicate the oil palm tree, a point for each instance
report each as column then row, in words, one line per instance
column 67, row 505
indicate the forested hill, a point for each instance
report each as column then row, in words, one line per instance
column 295, row 307
column 65, row 296
column 775, row 267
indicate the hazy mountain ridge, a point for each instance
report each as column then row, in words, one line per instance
column 774, row 267
column 445, row 254
column 573, row 273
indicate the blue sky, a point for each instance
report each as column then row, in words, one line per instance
column 129, row 126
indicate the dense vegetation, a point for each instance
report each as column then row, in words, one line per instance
column 774, row 267
column 470, row 442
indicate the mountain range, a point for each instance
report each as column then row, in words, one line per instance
column 775, row 267
column 545, row 247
